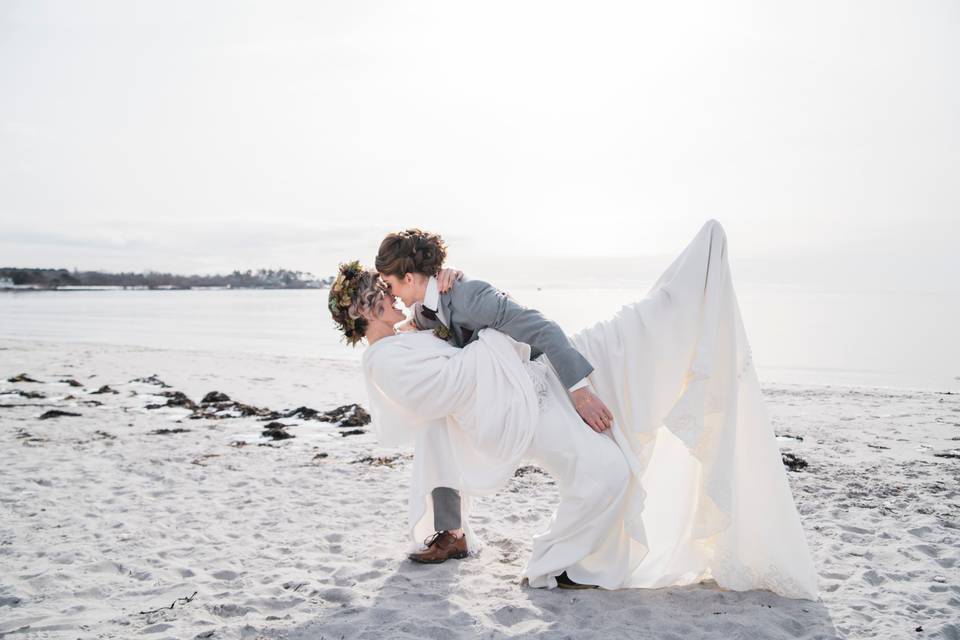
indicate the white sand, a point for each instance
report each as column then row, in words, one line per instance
column 100, row 520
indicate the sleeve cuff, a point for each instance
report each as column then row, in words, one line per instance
column 583, row 383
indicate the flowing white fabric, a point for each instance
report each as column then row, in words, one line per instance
column 470, row 412
column 585, row 535
column 712, row 498
column 500, row 407
column 687, row 486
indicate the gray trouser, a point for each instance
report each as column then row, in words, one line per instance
column 446, row 508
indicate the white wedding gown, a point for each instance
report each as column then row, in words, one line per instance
column 687, row 486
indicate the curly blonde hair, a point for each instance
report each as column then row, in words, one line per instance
column 357, row 291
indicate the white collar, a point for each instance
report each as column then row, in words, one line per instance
column 431, row 297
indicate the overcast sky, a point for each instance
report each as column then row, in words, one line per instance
column 547, row 141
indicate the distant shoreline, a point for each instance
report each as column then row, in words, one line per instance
column 30, row 279
column 17, row 288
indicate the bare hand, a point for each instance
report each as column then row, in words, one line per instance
column 592, row 409
column 446, row 278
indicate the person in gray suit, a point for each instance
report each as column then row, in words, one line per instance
column 409, row 262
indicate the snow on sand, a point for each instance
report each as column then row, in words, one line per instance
column 127, row 521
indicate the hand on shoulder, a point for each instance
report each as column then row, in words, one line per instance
column 447, row 278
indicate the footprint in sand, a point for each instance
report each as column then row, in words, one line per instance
column 225, row 574
column 873, row 578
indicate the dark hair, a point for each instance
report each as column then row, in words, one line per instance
column 411, row 251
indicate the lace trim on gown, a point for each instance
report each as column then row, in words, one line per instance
column 730, row 573
column 688, row 330
column 688, row 421
column 537, row 371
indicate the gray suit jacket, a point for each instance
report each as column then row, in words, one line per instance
column 470, row 305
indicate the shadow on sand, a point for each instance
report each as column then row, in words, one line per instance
column 458, row 600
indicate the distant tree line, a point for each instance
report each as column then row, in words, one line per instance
column 259, row 279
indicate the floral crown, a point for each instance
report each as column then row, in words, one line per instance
column 342, row 294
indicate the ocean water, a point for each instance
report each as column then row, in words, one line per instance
column 904, row 340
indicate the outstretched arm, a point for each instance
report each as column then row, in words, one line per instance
column 484, row 305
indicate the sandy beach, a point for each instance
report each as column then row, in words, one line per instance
column 143, row 512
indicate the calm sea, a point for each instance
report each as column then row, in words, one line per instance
column 906, row 340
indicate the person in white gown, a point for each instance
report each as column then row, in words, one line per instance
column 687, row 485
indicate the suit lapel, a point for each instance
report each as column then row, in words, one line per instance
column 418, row 315
column 447, row 305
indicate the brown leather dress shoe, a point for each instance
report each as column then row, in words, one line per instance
column 441, row 546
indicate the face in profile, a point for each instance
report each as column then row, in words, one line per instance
column 388, row 310
column 403, row 288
